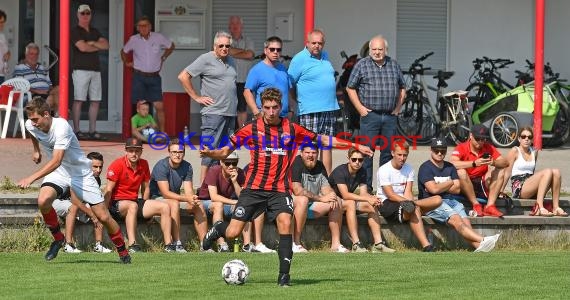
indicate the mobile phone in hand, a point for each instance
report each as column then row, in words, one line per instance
column 486, row 155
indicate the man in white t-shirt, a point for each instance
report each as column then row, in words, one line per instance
column 395, row 180
column 67, row 168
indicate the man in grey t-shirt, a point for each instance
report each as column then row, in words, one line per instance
column 217, row 97
column 313, row 197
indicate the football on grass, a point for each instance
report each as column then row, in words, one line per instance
column 235, row 272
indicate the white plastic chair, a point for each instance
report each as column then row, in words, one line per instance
column 21, row 87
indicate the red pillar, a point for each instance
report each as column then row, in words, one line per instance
column 538, row 72
column 309, row 17
column 64, row 58
column 127, row 72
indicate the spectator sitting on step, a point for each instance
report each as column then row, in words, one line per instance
column 313, row 197
column 481, row 170
column 526, row 183
column 71, row 210
column 143, row 125
column 437, row 177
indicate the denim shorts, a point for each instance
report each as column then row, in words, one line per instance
column 448, row 208
column 228, row 211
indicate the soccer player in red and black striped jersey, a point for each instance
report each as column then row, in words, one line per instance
column 273, row 142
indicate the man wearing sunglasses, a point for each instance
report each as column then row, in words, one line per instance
column 349, row 182
column 217, row 97
column 169, row 175
column 269, row 72
column 219, row 192
column 437, row 177
column 481, row 170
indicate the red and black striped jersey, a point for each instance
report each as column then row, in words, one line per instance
column 272, row 149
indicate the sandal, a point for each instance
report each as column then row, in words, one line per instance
column 80, row 135
column 559, row 212
column 543, row 212
column 96, row 136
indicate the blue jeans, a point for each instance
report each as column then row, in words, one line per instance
column 375, row 126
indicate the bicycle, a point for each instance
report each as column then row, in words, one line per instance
column 486, row 82
column 421, row 121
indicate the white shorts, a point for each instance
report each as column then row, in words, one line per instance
column 62, row 209
column 87, row 81
column 85, row 187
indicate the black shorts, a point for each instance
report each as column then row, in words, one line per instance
column 392, row 210
column 252, row 203
column 242, row 105
column 480, row 187
column 114, row 209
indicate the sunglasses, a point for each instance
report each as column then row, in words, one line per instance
column 524, row 137
column 230, row 163
column 85, row 13
column 480, row 139
column 355, row 159
column 224, row 46
column 439, row 151
column 271, row 49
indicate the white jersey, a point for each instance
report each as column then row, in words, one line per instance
column 388, row 175
column 61, row 136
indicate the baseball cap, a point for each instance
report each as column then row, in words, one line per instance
column 83, row 7
column 133, row 143
column 480, row 131
column 232, row 156
column 438, row 143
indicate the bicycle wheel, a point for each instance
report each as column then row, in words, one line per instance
column 480, row 93
column 504, row 130
column 415, row 123
column 458, row 130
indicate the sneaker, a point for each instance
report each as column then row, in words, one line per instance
column 357, row 247
column 340, row 249
column 381, row 247
column 247, row 248
column 170, row 248
column 284, row 280
column 408, row 206
column 488, row 243
column 180, row 248
column 478, row 208
column 492, row 211
column 125, row 259
column 70, row 248
column 223, row 248
column 211, row 236
column 428, row 248
column 134, row 248
column 54, row 249
column 299, row 249
column 101, row 249
column 207, row 251
column 263, row 249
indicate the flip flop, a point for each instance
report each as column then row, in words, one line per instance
column 96, row 136
column 80, row 135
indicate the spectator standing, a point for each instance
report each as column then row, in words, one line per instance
column 4, row 50
column 86, row 42
column 481, row 170
column 268, row 178
column 269, row 72
column 377, row 90
column 68, row 168
column 217, row 97
column 126, row 177
column 66, row 209
column 313, row 197
column 38, row 76
column 527, row 183
column 349, row 182
column 395, row 180
column 314, row 83
column 169, row 175
column 437, row 177
column 150, row 50
column 242, row 51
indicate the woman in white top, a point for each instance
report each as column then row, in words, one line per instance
column 526, row 183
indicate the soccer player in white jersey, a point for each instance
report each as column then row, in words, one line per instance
column 67, row 168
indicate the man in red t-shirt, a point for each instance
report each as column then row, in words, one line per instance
column 480, row 167
column 273, row 142
column 126, row 176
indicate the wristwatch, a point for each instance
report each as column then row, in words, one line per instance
column 473, row 164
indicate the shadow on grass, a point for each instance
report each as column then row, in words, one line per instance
column 295, row 281
column 90, row 261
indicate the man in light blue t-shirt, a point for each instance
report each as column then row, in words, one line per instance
column 312, row 75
